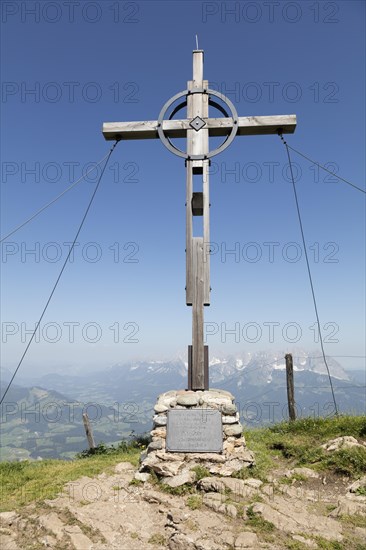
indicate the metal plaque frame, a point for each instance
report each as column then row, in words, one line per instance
column 194, row 431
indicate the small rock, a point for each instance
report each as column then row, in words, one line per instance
column 351, row 505
column 229, row 409
column 357, row 485
column 228, row 447
column 209, row 484
column 216, row 403
column 227, row 538
column 142, row 476
column 231, row 510
column 252, row 482
column 207, row 457
column 235, row 429
column 159, row 408
column 176, row 517
column 213, row 500
column 159, row 432
column 156, row 445
column 171, row 457
column 231, row 467
column 246, row 540
column 178, row 541
column 166, row 469
column 181, row 479
column 160, row 420
column 230, row 419
column 344, row 442
column 244, row 454
column 188, row 399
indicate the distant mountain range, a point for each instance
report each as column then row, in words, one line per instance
column 45, row 419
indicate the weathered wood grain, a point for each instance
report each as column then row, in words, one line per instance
column 247, row 126
column 189, row 233
column 198, row 371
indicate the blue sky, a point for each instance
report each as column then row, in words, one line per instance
column 90, row 62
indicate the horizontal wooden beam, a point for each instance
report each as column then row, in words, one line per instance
column 247, row 126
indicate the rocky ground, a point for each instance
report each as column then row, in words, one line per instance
column 296, row 508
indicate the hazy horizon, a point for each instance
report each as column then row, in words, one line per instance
column 123, row 294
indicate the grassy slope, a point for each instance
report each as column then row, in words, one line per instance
column 296, row 443
column 25, row 482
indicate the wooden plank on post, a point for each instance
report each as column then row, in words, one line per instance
column 88, row 431
column 189, row 233
column 198, row 378
column 206, row 232
column 290, row 386
column 215, row 127
column 206, row 377
column 189, row 367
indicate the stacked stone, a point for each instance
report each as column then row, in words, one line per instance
column 177, row 467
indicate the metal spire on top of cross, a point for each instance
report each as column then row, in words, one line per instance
column 197, row 128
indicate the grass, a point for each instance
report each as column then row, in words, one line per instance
column 201, row 472
column 350, row 462
column 257, row 441
column 184, row 489
column 258, row 523
column 157, row 539
column 328, row 544
column 299, row 443
column 295, row 545
column 289, row 480
column 287, row 443
column 356, row 520
column 25, row 482
column 194, row 502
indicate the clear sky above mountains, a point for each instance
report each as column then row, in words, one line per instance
column 67, row 67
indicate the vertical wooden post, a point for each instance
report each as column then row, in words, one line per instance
column 290, row 387
column 197, row 259
column 198, row 358
column 88, row 431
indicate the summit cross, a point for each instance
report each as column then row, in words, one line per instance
column 197, row 128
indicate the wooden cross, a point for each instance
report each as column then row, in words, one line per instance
column 197, row 128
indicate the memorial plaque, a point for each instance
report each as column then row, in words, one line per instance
column 194, row 431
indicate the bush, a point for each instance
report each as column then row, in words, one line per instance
column 131, row 446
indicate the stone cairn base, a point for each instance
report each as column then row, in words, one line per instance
column 176, row 468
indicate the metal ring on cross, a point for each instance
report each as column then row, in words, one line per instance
column 197, row 123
